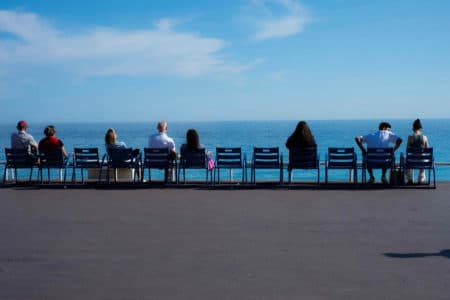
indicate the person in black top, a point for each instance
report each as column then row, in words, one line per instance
column 301, row 137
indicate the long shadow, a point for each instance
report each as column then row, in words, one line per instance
column 443, row 253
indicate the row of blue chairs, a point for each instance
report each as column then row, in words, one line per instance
column 225, row 158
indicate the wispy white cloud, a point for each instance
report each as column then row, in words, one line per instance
column 32, row 40
column 274, row 19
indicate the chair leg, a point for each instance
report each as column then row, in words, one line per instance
column 4, row 175
column 31, row 175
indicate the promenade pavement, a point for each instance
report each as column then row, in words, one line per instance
column 224, row 244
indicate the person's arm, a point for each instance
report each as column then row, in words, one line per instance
column 358, row 141
column 398, row 142
column 425, row 141
column 64, row 152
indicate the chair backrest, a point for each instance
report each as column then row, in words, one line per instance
column 266, row 157
column 156, row 158
column 341, row 158
column 52, row 159
column 86, row 158
column 379, row 157
column 19, row 158
column 303, row 158
column 228, row 157
column 419, row 158
column 193, row 159
column 121, row 158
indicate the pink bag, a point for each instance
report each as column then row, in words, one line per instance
column 210, row 162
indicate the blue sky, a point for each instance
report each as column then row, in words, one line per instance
column 224, row 60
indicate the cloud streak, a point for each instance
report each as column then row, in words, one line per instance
column 278, row 19
column 31, row 40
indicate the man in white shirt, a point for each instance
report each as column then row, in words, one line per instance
column 380, row 139
column 22, row 139
column 162, row 140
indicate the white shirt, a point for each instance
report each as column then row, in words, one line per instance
column 380, row 139
column 161, row 140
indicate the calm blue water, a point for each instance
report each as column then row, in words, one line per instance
column 245, row 134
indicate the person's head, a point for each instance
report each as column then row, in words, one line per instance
column 192, row 139
column 303, row 132
column 22, row 125
column 50, row 130
column 110, row 136
column 384, row 126
column 162, row 126
column 417, row 125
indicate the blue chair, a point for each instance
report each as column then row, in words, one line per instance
column 157, row 158
column 378, row 158
column 193, row 159
column 85, row 158
column 305, row 158
column 418, row 158
column 229, row 158
column 52, row 160
column 266, row 158
column 19, row 159
column 121, row 158
column 341, row 159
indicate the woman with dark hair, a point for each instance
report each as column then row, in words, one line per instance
column 416, row 140
column 192, row 141
column 301, row 137
column 51, row 143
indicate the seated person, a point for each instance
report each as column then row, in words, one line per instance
column 301, row 137
column 379, row 139
column 51, row 143
column 22, row 139
column 111, row 143
column 162, row 140
column 192, row 141
column 111, row 140
column 416, row 140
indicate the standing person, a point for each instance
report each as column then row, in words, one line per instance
column 380, row 139
column 162, row 140
column 23, row 140
column 301, row 137
column 416, row 140
column 51, row 143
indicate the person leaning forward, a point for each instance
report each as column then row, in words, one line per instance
column 379, row 139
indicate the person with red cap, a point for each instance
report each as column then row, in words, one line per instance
column 23, row 140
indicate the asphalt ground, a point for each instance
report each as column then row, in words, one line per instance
column 225, row 244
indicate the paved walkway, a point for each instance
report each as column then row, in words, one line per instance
column 224, row 244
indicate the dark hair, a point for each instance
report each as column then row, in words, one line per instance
column 192, row 139
column 417, row 125
column 384, row 125
column 110, row 136
column 50, row 130
column 301, row 137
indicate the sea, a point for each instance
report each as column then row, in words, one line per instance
column 245, row 134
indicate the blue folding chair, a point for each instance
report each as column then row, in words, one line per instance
column 193, row 159
column 266, row 158
column 83, row 159
column 341, row 159
column 19, row 159
column 229, row 158
column 378, row 158
column 418, row 158
column 157, row 158
column 305, row 158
